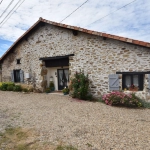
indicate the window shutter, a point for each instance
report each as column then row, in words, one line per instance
column 114, row 82
column 12, row 76
column 21, row 76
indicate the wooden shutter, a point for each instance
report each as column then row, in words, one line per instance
column 114, row 82
column 12, row 76
column 21, row 76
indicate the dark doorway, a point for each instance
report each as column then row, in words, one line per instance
column 16, row 75
column 63, row 78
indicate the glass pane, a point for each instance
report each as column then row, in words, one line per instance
column 128, row 81
column 66, row 74
column 61, row 77
column 135, row 80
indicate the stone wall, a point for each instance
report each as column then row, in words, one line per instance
column 96, row 56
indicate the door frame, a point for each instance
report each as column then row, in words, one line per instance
column 58, row 75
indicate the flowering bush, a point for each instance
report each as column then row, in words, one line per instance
column 80, row 85
column 122, row 99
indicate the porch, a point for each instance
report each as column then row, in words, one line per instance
column 57, row 71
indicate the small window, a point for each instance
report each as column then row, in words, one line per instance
column 18, row 61
column 132, row 82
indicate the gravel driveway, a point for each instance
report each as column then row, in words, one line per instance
column 85, row 125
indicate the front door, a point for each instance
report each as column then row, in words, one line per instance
column 63, row 78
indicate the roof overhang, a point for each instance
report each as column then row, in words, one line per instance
column 134, row 72
column 56, row 57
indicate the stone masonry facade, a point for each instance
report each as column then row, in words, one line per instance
column 98, row 57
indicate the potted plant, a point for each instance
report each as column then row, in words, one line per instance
column 65, row 91
column 48, row 90
column 133, row 88
column 51, row 86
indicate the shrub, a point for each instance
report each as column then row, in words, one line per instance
column 66, row 90
column 80, row 85
column 10, row 83
column 144, row 103
column 48, row 90
column 122, row 99
column 4, row 85
column 90, row 97
column 30, row 89
column 25, row 90
column 17, row 88
column 10, row 87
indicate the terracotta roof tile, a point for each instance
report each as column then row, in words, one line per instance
column 129, row 40
column 110, row 36
column 84, row 30
column 136, row 42
column 76, row 28
column 90, row 32
column 141, row 43
column 148, row 45
column 80, row 29
column 104, row 35
column 116, row 37
column 94, row 32
column 71, row 27
column 123, row 39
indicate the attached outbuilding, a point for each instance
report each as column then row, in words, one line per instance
column 50, row 51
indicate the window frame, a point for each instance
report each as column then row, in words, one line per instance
column 140, row 80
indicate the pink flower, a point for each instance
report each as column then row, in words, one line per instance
column 106, row 101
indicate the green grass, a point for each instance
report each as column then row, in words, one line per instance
column 10, row 130
column 19, row 139
column 22, row 147
column 60, row 147
column 13, row 137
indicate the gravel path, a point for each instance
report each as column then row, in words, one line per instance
column 85, row 125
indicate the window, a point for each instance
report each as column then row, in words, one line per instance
column 18, row 61
column 16, row 75
column 132, row 82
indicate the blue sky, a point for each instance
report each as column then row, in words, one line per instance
column 132, row 21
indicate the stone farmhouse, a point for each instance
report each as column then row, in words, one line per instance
column 50, row 51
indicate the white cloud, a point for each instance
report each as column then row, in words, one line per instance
column 132, row 21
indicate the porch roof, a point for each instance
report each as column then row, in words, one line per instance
column 56, row 57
